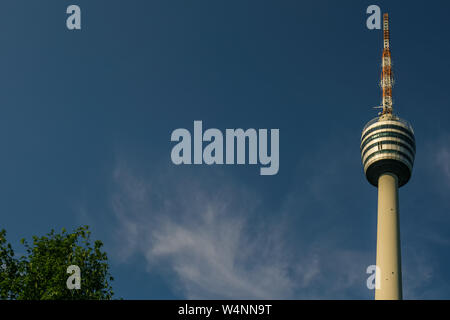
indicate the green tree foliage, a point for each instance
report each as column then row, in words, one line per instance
column 42, row 272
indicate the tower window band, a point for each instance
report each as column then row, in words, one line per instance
column 389, row 134
column 387, row 142
column 387, row 126
column 389, row 151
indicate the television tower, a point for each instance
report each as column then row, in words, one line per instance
column 387, row 150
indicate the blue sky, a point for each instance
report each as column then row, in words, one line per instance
column 86, row 118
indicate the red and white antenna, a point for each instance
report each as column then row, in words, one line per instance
column 387, row 76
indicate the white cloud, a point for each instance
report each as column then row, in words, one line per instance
column 202, row 236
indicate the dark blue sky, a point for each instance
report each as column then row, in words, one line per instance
column 86, row 118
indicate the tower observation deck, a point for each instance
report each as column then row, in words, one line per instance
column 388, row 149
column 388, row 145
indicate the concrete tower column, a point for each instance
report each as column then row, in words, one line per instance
column 388, row 239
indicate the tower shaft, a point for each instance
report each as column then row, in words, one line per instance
column 388, row 240
column 387, row 76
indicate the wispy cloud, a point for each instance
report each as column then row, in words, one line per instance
column 203, row 237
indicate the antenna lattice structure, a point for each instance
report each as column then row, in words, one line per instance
column 387, row 76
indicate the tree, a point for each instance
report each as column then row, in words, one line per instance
column 42, row 272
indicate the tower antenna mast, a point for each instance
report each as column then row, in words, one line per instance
column 387, row 76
